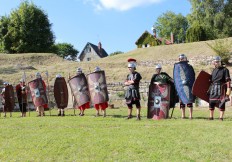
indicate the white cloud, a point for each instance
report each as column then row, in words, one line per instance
column 120, row 5
column 123, row 5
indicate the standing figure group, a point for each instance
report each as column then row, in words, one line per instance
column 164, row 92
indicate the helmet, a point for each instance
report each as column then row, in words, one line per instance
column 37, row 75
column 58, row 76
column 131, row 65
column 22, row 80
column 217, row 58
column 79, row 70
column 158, row 66
column 5, row 83
column 183, row 57
column 97, row 68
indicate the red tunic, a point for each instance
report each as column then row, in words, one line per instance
column 101, row 106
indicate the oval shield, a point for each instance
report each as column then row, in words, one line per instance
column 97, row 87
column 9, row 98
column 38, row 94
column 79, row 88
column 158, row 101
column 61, row 93
column 184, row 77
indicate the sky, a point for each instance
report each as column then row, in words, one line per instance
column 117, row 24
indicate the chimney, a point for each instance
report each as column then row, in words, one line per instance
column 154, row 31
column 172, row 38
column 99, row 46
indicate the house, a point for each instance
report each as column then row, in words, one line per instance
column 148, row 40
column 92, row 52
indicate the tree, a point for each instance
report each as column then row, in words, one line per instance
column 66, row 51
column 222, row 48
column 170, row 22
column 29, row 30
column 196, row 33
column 4, row 21
column 213, row 15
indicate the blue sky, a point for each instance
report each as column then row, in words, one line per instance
column 117, row 24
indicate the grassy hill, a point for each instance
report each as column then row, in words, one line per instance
column 12, row 65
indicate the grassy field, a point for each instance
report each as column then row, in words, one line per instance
column 114, row 138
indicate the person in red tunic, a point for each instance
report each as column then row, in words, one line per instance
column 103, row 105
column 21, row 92
column 84, row 106
column 40, row 109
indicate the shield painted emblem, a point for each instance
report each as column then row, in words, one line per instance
column 79, row 88
column 158, row 101
column 97, row 87
column 61, row 93
column 184, row 77
column 38, row 93
column 9, row 98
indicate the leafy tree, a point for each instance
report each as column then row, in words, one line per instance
column 222, row 48
column 171, row 22
column 29, row 30
column 213, row 15
column 66, row 51
column 196, row 33
column 4, row 21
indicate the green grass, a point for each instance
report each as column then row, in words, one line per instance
column 89, row 138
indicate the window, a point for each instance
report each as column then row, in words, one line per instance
column 88, row 59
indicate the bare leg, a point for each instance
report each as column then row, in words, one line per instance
column 129, row 113
column 104, row 113
column 190, row 113
column 211, row 113
column 183, row 112
column 97, row 113
column 138, row 113
column 221, row 115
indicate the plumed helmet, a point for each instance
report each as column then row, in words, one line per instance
column 217, row 58
column 158, row 66
column 97, row 68
column 37, row 75
column 58, row 76
column 79, row 70
column 131, row 63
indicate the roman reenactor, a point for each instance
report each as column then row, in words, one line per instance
column 40, row 109
column 60, row 94
column 103, row 105
column 132, row 94
column 84, row 106
column 5, row 108
column 164, row 92
column 21, row 92
column 184, row 78
column 220, row 89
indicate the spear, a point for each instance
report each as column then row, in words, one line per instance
column 48, row 92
